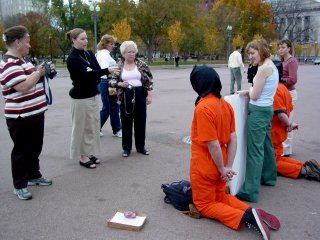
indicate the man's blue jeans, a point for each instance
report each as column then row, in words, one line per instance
column 109, row 107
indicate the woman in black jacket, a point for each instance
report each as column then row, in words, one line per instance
column 85, row 74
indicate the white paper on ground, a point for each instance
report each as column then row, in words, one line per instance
column 240, row 108
column 120, row 218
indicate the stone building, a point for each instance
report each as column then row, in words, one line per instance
column 298, row 20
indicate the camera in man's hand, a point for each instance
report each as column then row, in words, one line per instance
column 50, row 72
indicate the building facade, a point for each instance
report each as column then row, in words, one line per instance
column 10, row 8
column 298, row 20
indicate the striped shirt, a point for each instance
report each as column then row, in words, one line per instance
column 24, row 104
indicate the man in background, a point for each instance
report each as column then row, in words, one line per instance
column 236, row 66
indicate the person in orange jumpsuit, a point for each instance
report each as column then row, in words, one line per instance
column 213, row 149
column 287, row 166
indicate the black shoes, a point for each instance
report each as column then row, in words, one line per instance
column 143, row 151
column 126, row 153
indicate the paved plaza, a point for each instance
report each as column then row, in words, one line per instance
column 78, row 204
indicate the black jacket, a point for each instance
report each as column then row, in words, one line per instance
column 85, row 73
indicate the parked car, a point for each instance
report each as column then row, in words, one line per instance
column 317, row 61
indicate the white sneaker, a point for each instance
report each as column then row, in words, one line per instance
column 101, row 134
column 118, row 134
column 22, row 193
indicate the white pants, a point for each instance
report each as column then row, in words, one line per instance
column 287, row 144
column 85, row 138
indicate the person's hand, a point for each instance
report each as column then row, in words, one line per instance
column 114, row 70
column 149, row 99
column 291, row 127
column 295, row 126
column 41, row 70
column 226, row 174
column 243, row 92
column 123, row 84
column 52, row 66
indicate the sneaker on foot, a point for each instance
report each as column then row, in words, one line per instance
column 101, row 134
column 22, row 193
column 40, row 181
column 253, row 220
column 269, row 219
column 311, row 171
column 118, row 134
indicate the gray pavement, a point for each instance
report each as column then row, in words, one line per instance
column 80, row 200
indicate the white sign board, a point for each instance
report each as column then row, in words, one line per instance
column 240, row 108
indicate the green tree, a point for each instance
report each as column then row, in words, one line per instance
column 66, row 16
column 38, row 26
column 153, row 17
column 113, row 11
column 2, row 43
column 210, row 41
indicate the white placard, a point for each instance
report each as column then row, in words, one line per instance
column 240, row 108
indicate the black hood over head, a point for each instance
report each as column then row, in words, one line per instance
column 205, row 80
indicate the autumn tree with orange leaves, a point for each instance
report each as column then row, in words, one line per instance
column 122, row 30
column 175, row 36
column 247, row 18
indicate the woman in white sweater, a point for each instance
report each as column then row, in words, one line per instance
column 109, row 103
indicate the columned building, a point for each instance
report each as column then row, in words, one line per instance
column 298, row 20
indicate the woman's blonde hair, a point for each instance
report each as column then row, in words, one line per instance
column 127, row 44
column 106, row 39
column 261, row 46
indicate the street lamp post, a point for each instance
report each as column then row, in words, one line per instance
column 94, row 15
column 229, row 31
column 50, row 47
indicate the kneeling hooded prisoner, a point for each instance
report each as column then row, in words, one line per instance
column 212, row 154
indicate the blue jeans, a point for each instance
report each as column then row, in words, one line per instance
column 109, row 107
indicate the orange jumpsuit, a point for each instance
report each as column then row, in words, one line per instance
column 286, row 166
column 213, row 120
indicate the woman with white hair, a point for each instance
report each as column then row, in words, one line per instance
column 134, row 86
